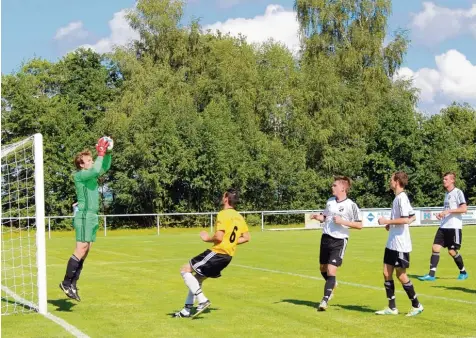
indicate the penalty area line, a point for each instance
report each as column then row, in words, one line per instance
column 364, row 286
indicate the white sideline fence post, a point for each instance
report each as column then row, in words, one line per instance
column 262, row 221
column 158, row 225
column 211, row 223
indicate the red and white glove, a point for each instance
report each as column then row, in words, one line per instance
column 101, row 146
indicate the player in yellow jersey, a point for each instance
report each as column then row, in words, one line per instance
column 231, row 230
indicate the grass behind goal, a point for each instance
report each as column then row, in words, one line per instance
column 131, row 285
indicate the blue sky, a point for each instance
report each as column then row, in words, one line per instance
column 441, row 58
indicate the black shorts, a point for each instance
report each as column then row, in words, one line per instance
column 209, row 263
column 332, row 250
column 396, row 258
column 449, row 238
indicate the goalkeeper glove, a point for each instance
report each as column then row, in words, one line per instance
column 101, row 146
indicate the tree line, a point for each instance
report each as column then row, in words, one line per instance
column 194, row 112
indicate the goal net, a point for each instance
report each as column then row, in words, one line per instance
column 23, row 256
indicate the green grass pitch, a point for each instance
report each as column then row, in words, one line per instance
column 131, row 285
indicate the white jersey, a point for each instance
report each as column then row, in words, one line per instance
column 453, row 200
column 399, row 234
column 346, row 209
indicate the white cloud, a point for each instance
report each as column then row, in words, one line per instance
column 454, row 79
column 425, row 79
column 276, row 23
column 435, row 24
column 74, row 30
column 121, row 34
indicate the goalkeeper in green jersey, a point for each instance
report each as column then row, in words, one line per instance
column 85, row 220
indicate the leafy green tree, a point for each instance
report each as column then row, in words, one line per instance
column 194, row 112
column 64, row 102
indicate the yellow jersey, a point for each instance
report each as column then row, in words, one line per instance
column 234, row 225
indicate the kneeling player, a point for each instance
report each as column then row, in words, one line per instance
column 231, row 231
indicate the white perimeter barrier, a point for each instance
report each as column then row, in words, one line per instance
column 424, row 217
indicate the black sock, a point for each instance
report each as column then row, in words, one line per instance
column 410, row 290
column 459, row 262
column 71, row 268
column 78, row 272
column 390, row 290
column 435, row 258
column 324, row 275
column 329, row 287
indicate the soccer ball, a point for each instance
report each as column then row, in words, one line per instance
column 110, row 141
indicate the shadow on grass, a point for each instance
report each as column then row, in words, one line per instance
column 25, row 306
column 64, row 305
column 455, row 288
column 314, row 305
column 301, row 302
column 208, row 310
column 358, row 308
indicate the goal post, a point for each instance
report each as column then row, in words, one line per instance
column 23, row 251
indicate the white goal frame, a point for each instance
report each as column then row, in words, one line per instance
column 39, row 217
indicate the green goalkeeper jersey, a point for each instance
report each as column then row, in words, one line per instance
column 86, row 183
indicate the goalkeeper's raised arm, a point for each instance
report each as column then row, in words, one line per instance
column 106, row 163
column 89, row 169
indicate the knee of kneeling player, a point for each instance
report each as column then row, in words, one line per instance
column 185, row 268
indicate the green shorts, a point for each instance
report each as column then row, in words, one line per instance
column 86, row 226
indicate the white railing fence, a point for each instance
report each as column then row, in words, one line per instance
column 159, row 217
column 424, row 217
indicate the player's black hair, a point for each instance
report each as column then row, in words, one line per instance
column 233, row 197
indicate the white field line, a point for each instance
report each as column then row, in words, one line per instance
column 364, row 286
column 64, row 324
column 350, row 284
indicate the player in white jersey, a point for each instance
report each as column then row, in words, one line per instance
column 340, row 214
column 399, row 246
column 449, row 234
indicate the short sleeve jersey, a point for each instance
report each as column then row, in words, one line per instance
column 346, row 209
column 233, row 225
column 453, row 199
column 399, row 234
